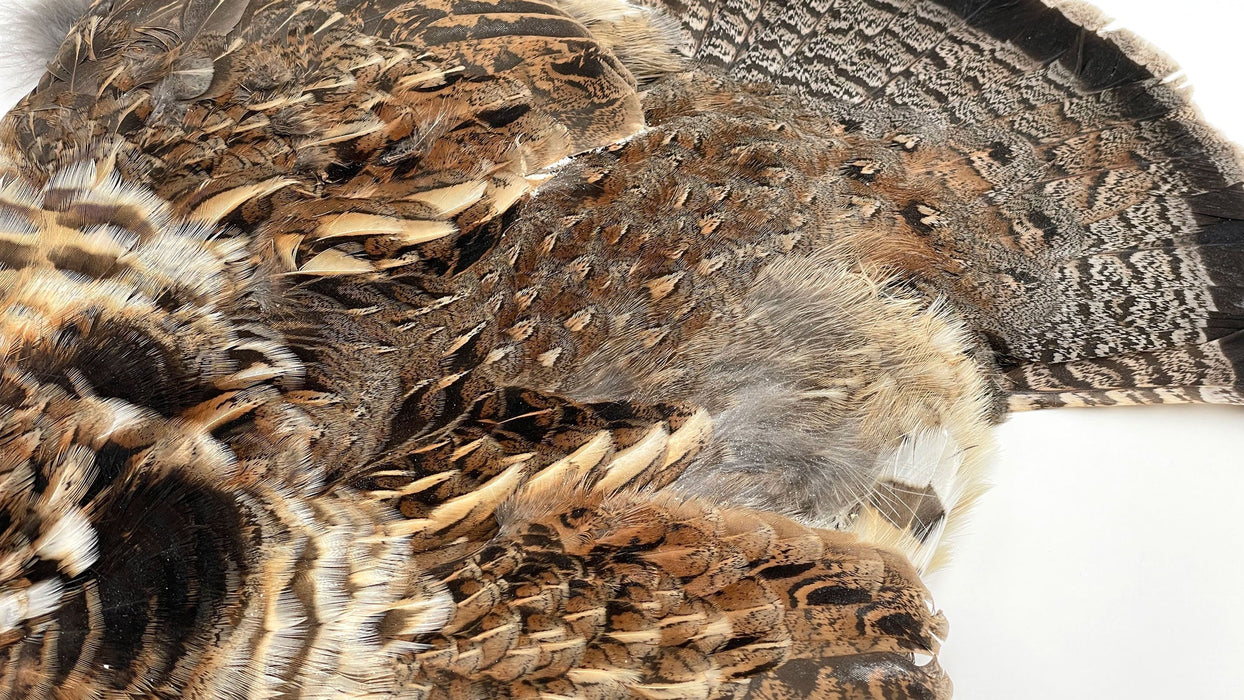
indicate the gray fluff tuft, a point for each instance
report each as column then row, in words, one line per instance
column 33, row 32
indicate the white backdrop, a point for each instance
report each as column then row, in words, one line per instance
column 1106, row 562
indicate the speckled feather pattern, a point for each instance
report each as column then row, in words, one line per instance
column 569, row 348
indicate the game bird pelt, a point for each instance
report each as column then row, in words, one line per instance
column 564, row 348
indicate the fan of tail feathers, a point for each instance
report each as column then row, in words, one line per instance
column 1048, row 178
column 1093, row 232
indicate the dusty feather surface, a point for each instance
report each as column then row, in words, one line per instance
column 510, row 348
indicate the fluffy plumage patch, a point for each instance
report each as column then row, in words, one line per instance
column 35, row 30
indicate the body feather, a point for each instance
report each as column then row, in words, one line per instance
column 539, row 348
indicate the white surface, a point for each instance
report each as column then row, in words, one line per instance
column 1106, row 562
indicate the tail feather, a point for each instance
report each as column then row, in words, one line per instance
column 1202, row 373
column 1045, row 176
column 1106, row 241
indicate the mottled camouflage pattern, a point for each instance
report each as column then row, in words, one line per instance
column 509, row 348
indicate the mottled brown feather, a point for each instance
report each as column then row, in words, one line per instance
column 493, row 349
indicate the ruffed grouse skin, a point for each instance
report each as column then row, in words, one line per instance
column 564, row 348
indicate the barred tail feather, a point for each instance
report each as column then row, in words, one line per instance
column 1056, row 185
column 1106, row 250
